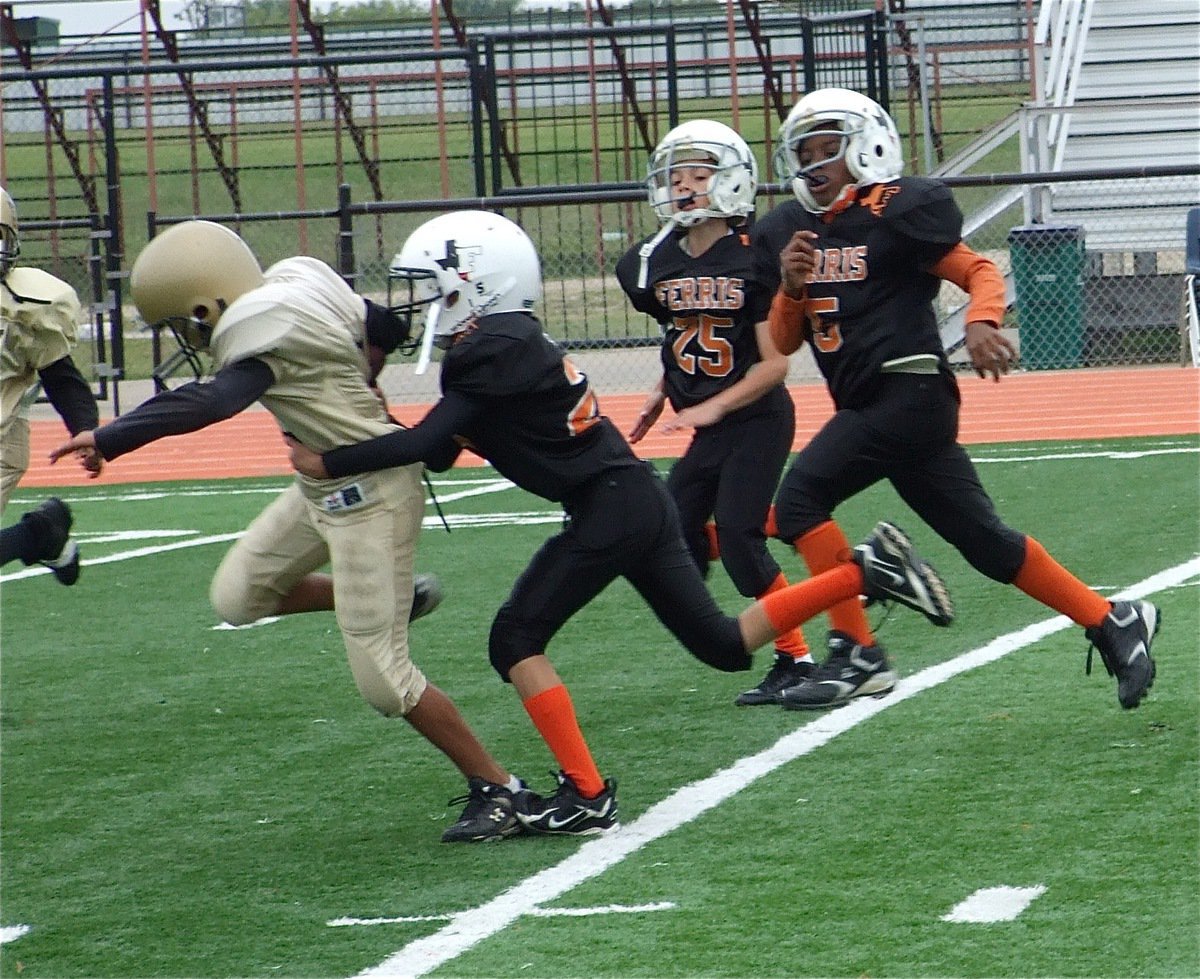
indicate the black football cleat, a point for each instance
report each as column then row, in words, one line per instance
column 850, row 671
column 1124, row 639
column 784, row 672
column 49, row 524
column 489, row 815
column 894, row 572
column 567, row 812
column 427, row 595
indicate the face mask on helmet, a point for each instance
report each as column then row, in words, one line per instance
column 10, row 241
column 184, row 279
column 459, row 267
column 702, row 145
column 870, row 144
column 677, row 167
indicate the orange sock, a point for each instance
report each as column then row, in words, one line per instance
column 553, row 714
column 771, row 528
column 791, row 643
column 825, row 547
column 1043, row 578
column 798, row 603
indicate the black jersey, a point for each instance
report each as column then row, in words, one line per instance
column 537, row 419
column 870, row 299
column 708, row 307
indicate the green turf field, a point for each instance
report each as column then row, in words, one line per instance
column 181, row 799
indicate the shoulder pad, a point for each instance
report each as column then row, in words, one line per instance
column 253, row 325
column 917, row 207
column 302, row 267
column 35, row 284
column 49, row 319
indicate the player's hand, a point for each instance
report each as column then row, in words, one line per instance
column 647, row 417
column 304, row 460
column 991, row 352
column 797, row 262
column 698, row 416
column 83, row 447
column 92, row 461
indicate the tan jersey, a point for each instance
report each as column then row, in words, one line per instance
column 309, row 327
column 34, row 333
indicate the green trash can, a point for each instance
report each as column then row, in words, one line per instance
column 1047, row 266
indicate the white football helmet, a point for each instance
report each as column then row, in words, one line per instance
column 186, row 277
column 870, row 142
column 733, row 183
column 10, row 239
column 460, row 266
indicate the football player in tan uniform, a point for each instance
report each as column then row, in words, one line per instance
column 301, row 341
column 39, row 316
column 42, row 536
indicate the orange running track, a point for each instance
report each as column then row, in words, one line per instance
column 1020, row 408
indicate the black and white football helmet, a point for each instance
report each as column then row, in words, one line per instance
column 460, row 266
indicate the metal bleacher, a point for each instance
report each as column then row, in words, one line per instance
column 1119, row 87
column 1192, row 289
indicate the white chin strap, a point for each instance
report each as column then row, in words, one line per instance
column 431, row 318
column 649, row 248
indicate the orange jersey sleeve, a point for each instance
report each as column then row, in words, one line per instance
column 979, row 278
column 786, row 322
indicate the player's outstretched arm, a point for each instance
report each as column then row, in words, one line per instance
column 82, row 445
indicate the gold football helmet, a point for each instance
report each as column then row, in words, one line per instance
column 10, row 239
column 185, row 278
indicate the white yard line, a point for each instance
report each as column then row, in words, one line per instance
column 469, row 928
column 991, row 904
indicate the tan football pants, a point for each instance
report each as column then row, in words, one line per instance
column 14, row 456
column 367, row 534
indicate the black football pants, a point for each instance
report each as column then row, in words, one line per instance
column 622, row 524
column 906, row 435
column 730, row 472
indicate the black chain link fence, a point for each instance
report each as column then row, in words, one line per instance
column 523, row 116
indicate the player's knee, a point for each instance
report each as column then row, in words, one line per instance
column 995, row 551
column 232, row 600
column 714, row 638
column 749, row 566
column 794, row 526
column 394, row 693
column 721, row 647
column 799, row 513
column 386, row 677
column 229, row 602
column 510, row 642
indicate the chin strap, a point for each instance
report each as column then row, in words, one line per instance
column 426, row 354
column 649, row 248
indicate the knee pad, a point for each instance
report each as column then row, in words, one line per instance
column 235, row 601
column 723, row 649
column 394, row 691
column 749, row 566
column 793, row 526
column 800, row 510
column 512, row 641
column 995, row 551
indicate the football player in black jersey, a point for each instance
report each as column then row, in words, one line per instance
column 721, row 371
column 862, row 253
column 509, row 394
